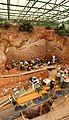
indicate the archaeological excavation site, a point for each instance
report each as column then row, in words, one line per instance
column 34, row 59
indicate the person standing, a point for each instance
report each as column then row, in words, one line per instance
column 52, row 89
column 39, row 89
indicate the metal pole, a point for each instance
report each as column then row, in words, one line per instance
column 8, row 9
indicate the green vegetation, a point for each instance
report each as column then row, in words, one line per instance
column 25, row 25
column 67, row 22
column 4, row 23
column 1, row 22
column 47, row 24
column 61, row 30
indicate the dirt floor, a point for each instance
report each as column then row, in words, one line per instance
column 8, row 84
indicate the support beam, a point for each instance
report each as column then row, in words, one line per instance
column 8, row 9
column 52, row 9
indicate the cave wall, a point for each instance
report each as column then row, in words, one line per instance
column 25, row 46
column 28, row 51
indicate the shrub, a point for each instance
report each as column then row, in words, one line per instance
column 0, row 24
column 25, row 26
column 4, row 24
column 48, row 27
column 61, row 30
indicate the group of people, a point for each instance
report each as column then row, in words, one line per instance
column 39, row 85
column 31, row 64
column 52, row 60
column 63, row 76
column 52, row 88
column 27, row 64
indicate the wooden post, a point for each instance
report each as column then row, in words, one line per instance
column 41, row 109
column 22, row 115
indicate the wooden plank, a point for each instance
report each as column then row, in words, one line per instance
column 33, row 95
column 27, row 72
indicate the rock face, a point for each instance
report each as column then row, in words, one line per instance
column 28, row 51
column 25, row 46
column 57, row 45
column 2, row 60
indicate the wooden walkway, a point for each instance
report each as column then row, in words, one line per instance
column 33, row 95
column 28, row 72
column 28, row 96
